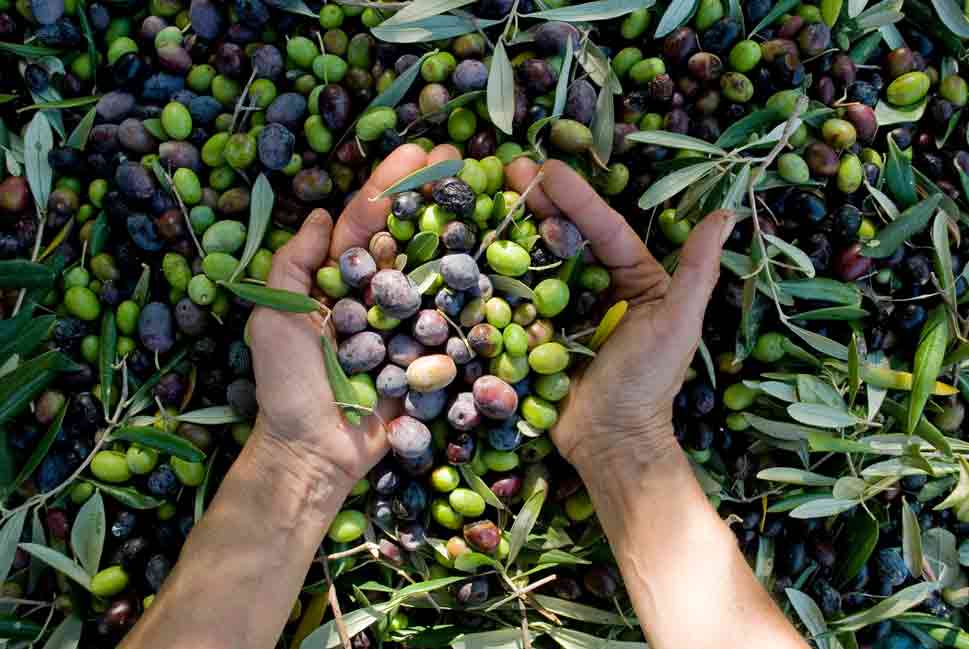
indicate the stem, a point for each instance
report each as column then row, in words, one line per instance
column 511, row 212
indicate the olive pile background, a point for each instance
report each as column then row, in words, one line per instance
column 170, row 123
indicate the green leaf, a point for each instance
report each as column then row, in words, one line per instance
column 512, row 287
column 912, row 221
column 479, row 486
column 28, row 337
column 740, row 131
column 855, row 360
column 87, row 534
column 781, row 8
column 591, row 11
column 822, row 508
column 676, row 14
column 58, row 562
column 154, row 126
column 562, row 86
column 788, row 503
column 811, row 616
column 888, row 608
column 524, row 522
column 100, row 232
column 430, row 29
column 886, row 114
column 74, row 102
column 9, row 538
column 924, row 429
column 899, row 177
column 203, row 489
column 28, row 51
column 420, row 9
column 792, row 252
column 20, row 273
column 840, row 313
column 40, row 451
column 67, row 635
column 952, row 16
column 942, row 257
column 576, row 611
column 343, row 390
column 14, row 628
column 857, row 543
column 821, row 343
column 260, row 212
column 78, row 137
column 676, row 141
column 473, row 561
column 38, row 141
column 595, row 62
column 428, row 174
column 142, row 395
column 422, row 247
column 789, row 475
column 960, row 493
column 128, row 496
column 107, row 354
column 425, row 275
column 911, row 540
column 781, row 429
column 142, row 288
column 160, row 440
column 398, row 89
column 708, row 362
column 19, row 387
column 273, row 298
column 814, row 414
column 672, row 184
column 884, row 202
column 933, row 341
column 738, row 188
column 572, row 639
column 501, row 90
column 327, row 637
column 505, row 638
column 604, row 124
column 211, row 416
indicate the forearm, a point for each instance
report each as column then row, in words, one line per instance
column 689, row 583
column 243, row 565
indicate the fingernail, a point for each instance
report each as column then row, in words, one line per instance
column 729, row 220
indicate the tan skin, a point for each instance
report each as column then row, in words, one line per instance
column 244, row 564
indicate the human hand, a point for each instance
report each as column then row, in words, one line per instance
column 296, row 406
column 621, row 406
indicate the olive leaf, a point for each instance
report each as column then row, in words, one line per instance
column 28, row 51
column 150, row 437
column 74, row 102
column 941, row 139
column 92, row 48
column 960, row 493
column 19, row 387
column 142, row 396
column 908, row 224
column 884, row 202
column 40, row 451
column 203, row 489
column 576, row 611
column 708, row 362
column 820, row 343
column 792, row 252
column 480, row 487
column 822, row 508
column 38, row 141
column 398, row 89
column 604, row 125
column 107, row 353
column 100, row 231
column 924, row 428
column 789, row 475
column 430, row 29
column 952, row 17
column 78, row 137
column 273, row 298
column 811, row 616
column 20, row 273
column 562, row 86
column 15, row 628
column 832, row 313
column 211, row 416
column 783, row 430
column 58, row 562
column 87, row 534
column 33, row 332
column 9, row 538
column 343, row 390
column 425, row 275
column 67, row 635
column 740, row 131
column 422, row 247
column 929, row 354
column 899, row 177
column 472, row 561
column 429, row 174
column 815, row 414
column 676, row 14
column 571, row 639
column 943, row 258
column 911, row 540
column 154, row 126
column 127, row 496
column 890, row 607
column 591, row 11
column 420, row 9
column 524, row 522
column 672, row 184
column 260, row 212
column 595, row 62
column 511, row 286
column 501, row 90
column 676, row 141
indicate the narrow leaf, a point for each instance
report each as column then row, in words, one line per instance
column 909, row 223
column 672, row 184
column 127, row 496
column 888, row 608
column 430, row 29
column 420, row 9
column 604, row 124
column 929, row 354
column 398, row 89
column 677, row 13
column 87, row 534
column 792, row 252
column 20, row 273
column 479, row 486
column 676, row 141
column 107, row 354
column 952, row 16
column 38, row 141
column 9, row 538
column 78, row 137
column 501, row 90
column 590, row 11
column 343, row 390
column 524, row 522
column 422, row 247
column 815, row 414
column 160, row 440
column 211, row 416
column 795, row 476
column 562, row 86
column 428, row 174
column 67, row 635
column 58, row 562
column 273, row 298
column 911, row 540
column 40, row 451
column 512, row 287
column 899, row 177
column 260, row 211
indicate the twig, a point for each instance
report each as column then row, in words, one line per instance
column 520, row 593
column 181, row 205
column 242, row 99
column 341, row 627
column 511, row 213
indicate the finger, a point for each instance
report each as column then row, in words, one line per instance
column 519, row 175
column 362, row 218
column 613, row 241
column 443, row 152
column 296, row 263
column 698, row 269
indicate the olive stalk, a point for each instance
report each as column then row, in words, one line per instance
column 181, row 205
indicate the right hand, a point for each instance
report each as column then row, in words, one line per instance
column 621, row 406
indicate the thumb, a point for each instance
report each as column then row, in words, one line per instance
column 698, row 270
column 295, row 263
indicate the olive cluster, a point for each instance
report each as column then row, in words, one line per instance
column 483, row 399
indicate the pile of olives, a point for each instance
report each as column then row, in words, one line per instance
column 164, row 114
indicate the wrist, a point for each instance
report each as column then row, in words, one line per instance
column 627, row 450
column 310, row 480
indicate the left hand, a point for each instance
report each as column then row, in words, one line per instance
column 296, row 405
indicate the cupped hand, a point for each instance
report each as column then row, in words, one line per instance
column 621, row 405
column 296, row 406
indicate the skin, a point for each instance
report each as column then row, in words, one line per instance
column 262, row 540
